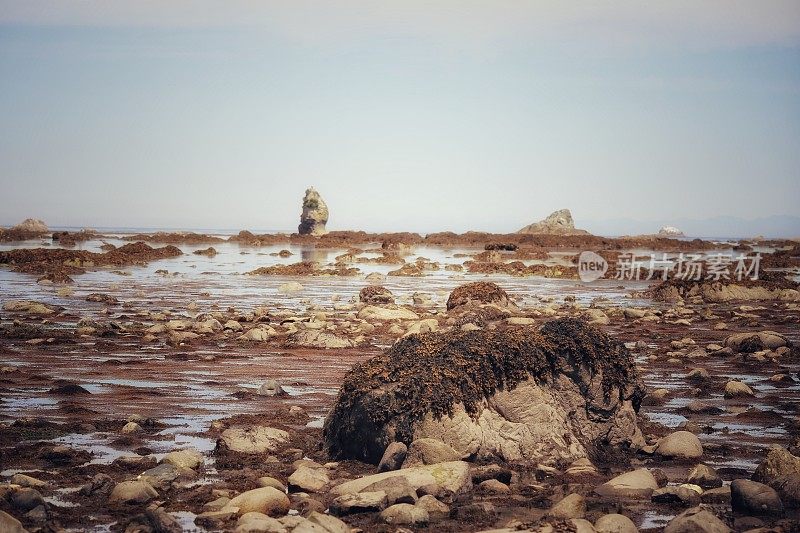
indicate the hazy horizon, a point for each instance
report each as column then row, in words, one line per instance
column 405, row 116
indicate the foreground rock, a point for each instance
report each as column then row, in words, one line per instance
column 479, row 293
column 252, row 439
column 638, row 484
column 697, row 520
column 453, row 476
column 781, row 471
column 513, row 394
column 314, row 216
column 557, row 223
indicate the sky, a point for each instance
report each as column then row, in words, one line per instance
column 417, row 116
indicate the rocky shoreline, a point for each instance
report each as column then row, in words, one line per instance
column 159, row 408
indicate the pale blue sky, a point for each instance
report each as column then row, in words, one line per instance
column 407, row 116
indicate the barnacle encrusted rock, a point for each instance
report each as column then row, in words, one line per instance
column 551, row 395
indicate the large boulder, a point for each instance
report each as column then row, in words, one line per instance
column 314, row 216
column 554, row 394
column 557, row 223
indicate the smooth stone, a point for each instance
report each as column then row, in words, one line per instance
column 696, row 520
column 308, row 479
column 136, row 491
column 615, row 523
column 753, row 497
column 704, row 476
column 680, row 445
column 253, row 439
column 9, row 524
column 266, row 500
column 393, row 457
column 362, row 502
column 429, row 451
column 637, row 484
column 437, row 510
column 453, row 476
column 254, row 522
column 188, row 458
column 405, row 514
column 571, row 506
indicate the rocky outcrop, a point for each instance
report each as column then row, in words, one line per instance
column 557, row 223
column 670, row 231
column 315, row 214
column 769, row 286
column 551, row 395
column 30, row 228
column 32, row 225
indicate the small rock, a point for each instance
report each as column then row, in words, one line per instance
column 680, row 445
column 255, row 522
column 752, row 497
column 737, row 389
column 25, row 499
column 130, row 428
column 308, row 479
column 133, row 492
column 615, row 523
column 405, row 514
column 637, row 484
column 493, row 486
column 705, row 477
column 271, row 388
column 429, row 451
column 437, row 510
column 362, row 502
column 571, row 506
column 27, row 481
column 9, row 524
column 696, row 520
column 266, row 500
column 188, row 458
column 680, row 495
column 393, row 457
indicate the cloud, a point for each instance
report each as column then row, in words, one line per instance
column 627, row 23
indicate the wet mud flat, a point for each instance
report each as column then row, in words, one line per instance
column 68, row 393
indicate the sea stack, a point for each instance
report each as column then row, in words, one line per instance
column 558, row 223
column 315, row 214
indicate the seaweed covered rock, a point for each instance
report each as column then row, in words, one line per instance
column 551, row 395
column 376, row 294
column 769, row 286
column 479, row 292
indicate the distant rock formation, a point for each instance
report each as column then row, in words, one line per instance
column 670, row 231
column 558, row 223
column 315, row 214
column 31, row 225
